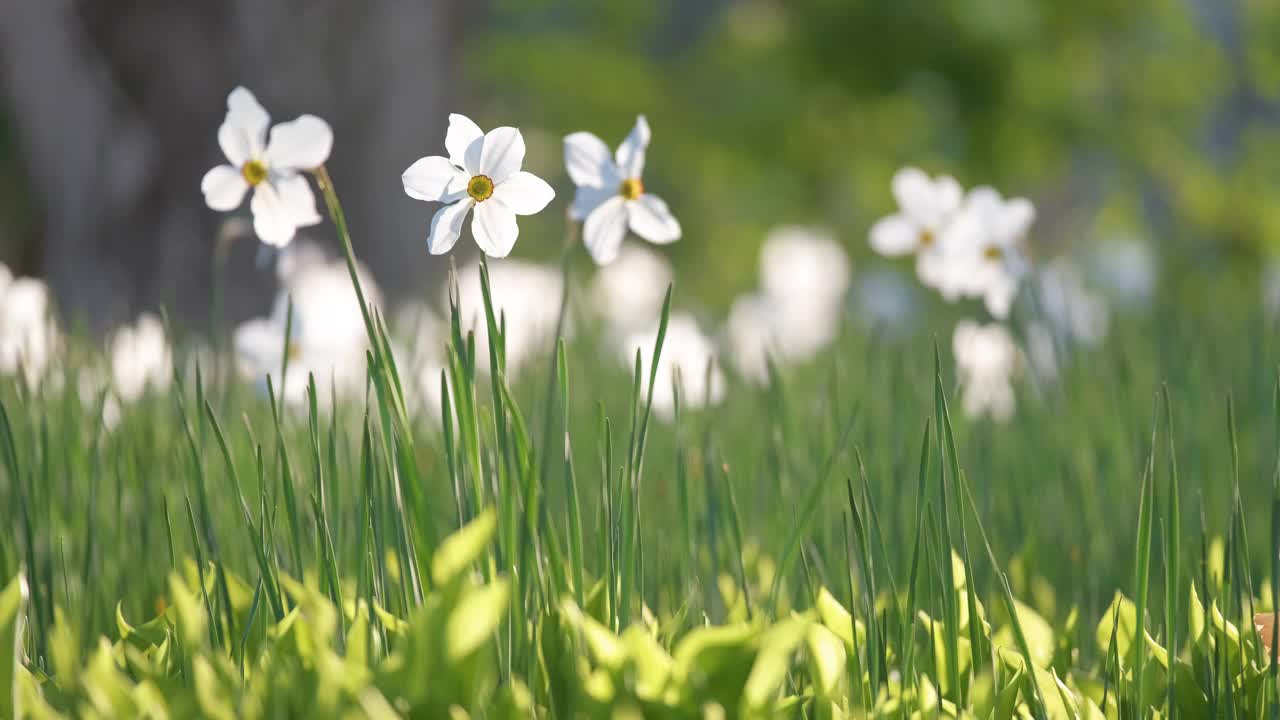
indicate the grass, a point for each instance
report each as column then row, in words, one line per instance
column 835, row 544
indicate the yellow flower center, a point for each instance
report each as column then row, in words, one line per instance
column 926, row 238
column 480, row 188
column 631, row 188
column 253, row 172
column 993, row 252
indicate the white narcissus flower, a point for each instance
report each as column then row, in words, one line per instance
column 271, row 165
column 611, row 195
column 27, row 332
column 141, row 358
column 686, row 352
column 803, row 265
column 983, row 249
column 328, row 337
column 804, row 278
column 987, row 360
column 926, row 207
column 481, row 172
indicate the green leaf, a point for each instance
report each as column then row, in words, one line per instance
column 12, row 600
column 777, row 645
column 653, row 666
column 458, row 551
column 839, row 621
column 827, row 657
column 474, row 620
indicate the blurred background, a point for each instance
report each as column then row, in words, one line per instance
column 1149, row 124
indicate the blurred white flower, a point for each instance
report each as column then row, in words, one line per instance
column 419, row 347
column 141, row 358
column 982, row 253
column 481, row 172
column 760, row 327
column 93, row 387
column 1128, row 270
column 527, row 294
column 27, row 332
column 629, row 292
column 987, row 359
column 926, row 208
column 686, row 352
column 328, row 337
column 800, row 265
column 1071, row 309
column 282, row 199
column 611, row 195
column 804, row 276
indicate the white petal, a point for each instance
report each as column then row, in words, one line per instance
column 301, row 144
column 895, row 235
column 461, row 142
column 604, row 229
column 446, row 225
column 1000, row 295
column 589, row 161
column 589, row 198
column 949, row 194
column 651, row 220
column 524, row 193
column 630, row 156
column 433, row 179
column 502, row 153
column 272, row 219
column 244, row 130
column 1016, row 218
column 224, row 188
column 494, row 228
column 917, row 197
column 298, row 200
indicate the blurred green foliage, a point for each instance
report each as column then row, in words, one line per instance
column 1152, row 117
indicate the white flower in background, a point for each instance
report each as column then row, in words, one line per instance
column 481, row 172
column 93, row 387
column 419, row 347
column 686, row 351
column 800, row 265
column 987, row 359
column 926, row 208
column 760, row 327
column 27, row 333
column 1127, row 269
column 611, row 195
column 527, row 294
column 629, row 292
column 982, row 249
column 272, row 166
column 328, row 337
column 1071, row 309
column 141, row 358
column 804, row 278
column 751, row 334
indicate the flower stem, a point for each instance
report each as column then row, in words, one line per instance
column 340, row 223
